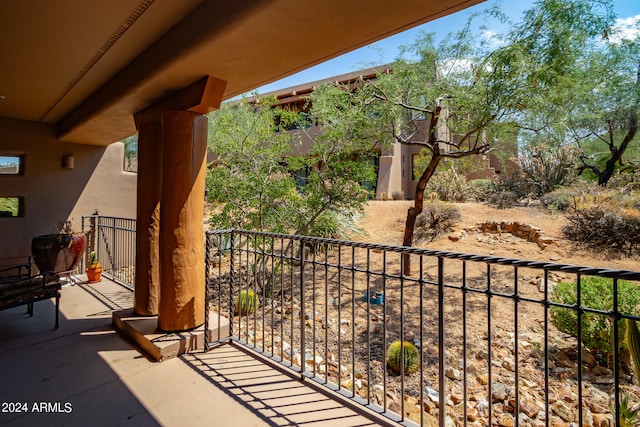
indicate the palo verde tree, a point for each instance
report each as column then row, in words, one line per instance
column 252, row 179
column 247, row 179
column 459, row 99
column 608, row 115
column 582, row 79
column 442, row 103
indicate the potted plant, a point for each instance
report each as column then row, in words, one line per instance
column 60, row 251
column 94, row 271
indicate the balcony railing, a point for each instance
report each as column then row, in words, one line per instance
column 487, row 349
column 329, row 310
column 114, row 240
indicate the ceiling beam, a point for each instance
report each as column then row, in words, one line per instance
column 206, row 20
column 202, row 96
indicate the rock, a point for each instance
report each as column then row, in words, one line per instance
column 429, row 407
column 453, row 237
column 588, row 358
column 563, row 411
column 449, row 422
column 482, row 379
column 545, row 240
column 472, row 414
column 452, row 373
column 432, row 395
column 499, row 391
column 471, row 368
column 529, row 408
column 587, row 418
column 602, row 420
column 508, row 365
column 600, row 371
column 506, row 420
column 482, row 406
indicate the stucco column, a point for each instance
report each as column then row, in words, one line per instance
column 182, row 269
column 147, row 286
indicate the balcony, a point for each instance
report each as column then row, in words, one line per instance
column 318, row 333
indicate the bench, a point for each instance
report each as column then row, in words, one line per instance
column 18, row 287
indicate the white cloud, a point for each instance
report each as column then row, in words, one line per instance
column 626, row 29
column 492, row 39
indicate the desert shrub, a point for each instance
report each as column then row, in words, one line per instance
column 579, row 195
column 398, row 195
column 246, row 302
column 597, row 329
column 436, row 219
column 503, row 199
column 450, row 186
column 336, row 225
column 629, row 416
column 627, row 179
column 561, row 199
column 513, row 183
column 605, row 226
column 481, row 189
column 411, row 357
column 544, row 168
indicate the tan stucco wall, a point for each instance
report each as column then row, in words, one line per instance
column 53, row 194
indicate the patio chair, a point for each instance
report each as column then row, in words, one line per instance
column 18, row 287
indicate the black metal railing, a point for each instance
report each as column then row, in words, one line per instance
column 488, row 351
column 114, row 241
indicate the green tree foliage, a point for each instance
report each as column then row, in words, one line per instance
column 576, row 79
column 252, row 178
column 439, row 99
column 248, row 180
column 131, row 153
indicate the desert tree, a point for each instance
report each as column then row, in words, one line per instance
column 441, row 101
column 583, row 79
column 258, row 147
column 463, row 97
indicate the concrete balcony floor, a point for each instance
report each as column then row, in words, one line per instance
column 84, row 373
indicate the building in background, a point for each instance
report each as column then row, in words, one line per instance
column 394, row 165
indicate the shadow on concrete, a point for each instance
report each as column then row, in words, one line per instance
column 274, row 396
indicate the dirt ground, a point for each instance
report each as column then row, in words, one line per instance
column 337, row 306
column 383, row 222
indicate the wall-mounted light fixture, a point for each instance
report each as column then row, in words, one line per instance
column 68, row 161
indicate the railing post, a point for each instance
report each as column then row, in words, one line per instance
column 441, row 353
column 303, row 363
column 232, row 280
column 207, row 275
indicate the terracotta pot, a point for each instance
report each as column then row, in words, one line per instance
column 57, row 252
column 94, row 274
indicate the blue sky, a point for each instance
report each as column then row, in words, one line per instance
column 386, row 50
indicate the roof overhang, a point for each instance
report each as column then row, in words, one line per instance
column 88, row 67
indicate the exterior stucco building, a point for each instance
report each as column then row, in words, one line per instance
column 394, row 164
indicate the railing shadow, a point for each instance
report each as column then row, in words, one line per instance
column 275, row 397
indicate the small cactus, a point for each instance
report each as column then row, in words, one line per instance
column 411, row 357
column 94, row 263
column 246, row 303
column 633, row 341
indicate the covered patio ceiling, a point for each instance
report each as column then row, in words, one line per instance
column 86, row 67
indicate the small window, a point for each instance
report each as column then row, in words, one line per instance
column 11, row 165
column 11, row 207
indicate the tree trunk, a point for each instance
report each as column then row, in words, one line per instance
column 416, row 210
column 616, row 153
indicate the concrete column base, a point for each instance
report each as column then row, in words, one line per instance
column 144, row 332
